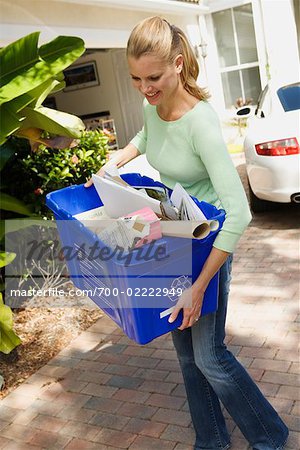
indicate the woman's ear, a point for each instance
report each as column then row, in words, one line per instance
column 179, row 63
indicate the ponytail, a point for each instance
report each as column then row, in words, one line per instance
column 190, row 68
column 156, row 35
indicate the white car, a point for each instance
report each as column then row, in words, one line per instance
column 272, row 147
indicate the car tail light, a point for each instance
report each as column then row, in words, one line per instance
column 278, row 148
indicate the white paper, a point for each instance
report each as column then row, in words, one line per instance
column 95, row 219
column 113, row 232
column 92, row 214
column 181, row 200
column 118, row 234
column 111, row 173
column 122, row 200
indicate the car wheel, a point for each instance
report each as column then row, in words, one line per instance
column 256, row 204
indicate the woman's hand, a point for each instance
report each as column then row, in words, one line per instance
column 119, row 158
column 191, row 302
column 113, row 159
column 192, row 298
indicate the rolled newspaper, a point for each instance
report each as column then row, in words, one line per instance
column 188, row 229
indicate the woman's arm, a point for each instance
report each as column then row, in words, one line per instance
column 119, row 158
column 192, row 298
column 208, row 143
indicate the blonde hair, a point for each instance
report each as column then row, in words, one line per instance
column 155, row 35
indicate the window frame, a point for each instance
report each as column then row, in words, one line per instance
column 239, row 67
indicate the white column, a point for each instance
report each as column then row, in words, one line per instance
column 281, row 40
column 213, row 75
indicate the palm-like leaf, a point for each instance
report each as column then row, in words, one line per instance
column 24, row 67
column 18, row 57
column 6, row 258
column 55, row 122
column 28, row 75
column 10, row 122
column 8, row 338
column 9, row 203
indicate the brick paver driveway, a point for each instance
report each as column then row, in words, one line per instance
column 105, row 392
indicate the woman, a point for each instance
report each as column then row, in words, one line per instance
column 182, row 140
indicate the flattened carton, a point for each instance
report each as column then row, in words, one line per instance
column 139, row 288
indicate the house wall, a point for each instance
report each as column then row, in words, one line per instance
column 103, row 97
column 99, row 26
column 281, row 40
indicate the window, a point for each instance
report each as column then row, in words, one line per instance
column 238, row 60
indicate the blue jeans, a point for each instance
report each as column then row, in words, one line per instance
column 212, row 374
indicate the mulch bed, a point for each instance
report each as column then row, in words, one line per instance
column 44, row 331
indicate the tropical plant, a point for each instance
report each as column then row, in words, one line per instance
column 28, row 75
column 8, row 338
column 8, row 202
column 6, row 258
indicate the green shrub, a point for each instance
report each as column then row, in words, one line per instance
column 33, row 174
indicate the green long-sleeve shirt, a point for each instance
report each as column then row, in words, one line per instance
column 192, row 152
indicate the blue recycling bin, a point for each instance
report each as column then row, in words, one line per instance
column 137, row 289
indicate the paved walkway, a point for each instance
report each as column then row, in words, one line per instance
column 105, row 392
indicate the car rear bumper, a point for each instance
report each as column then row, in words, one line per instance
column 277, row 180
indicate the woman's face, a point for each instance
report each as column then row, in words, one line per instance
column 154, row 78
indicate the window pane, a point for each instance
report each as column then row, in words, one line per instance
column 224, row 38
column 231, row 87
column 245, row 33
column 251, row 81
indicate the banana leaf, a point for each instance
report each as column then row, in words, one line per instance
column 18, row 56
column 41, row 94
column 28, row 75
column 10, row 122
column 9, row 203
column 55, row 122
column 6, row 258
column 7, row 151
column 36, row 96
column 24, row 66
column 8, row 338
